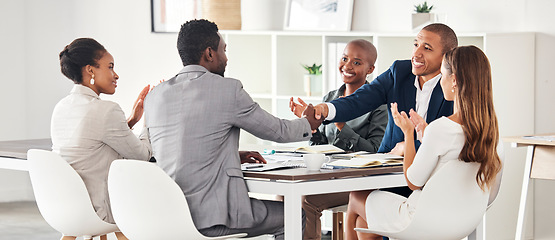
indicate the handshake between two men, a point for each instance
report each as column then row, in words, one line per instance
column 314, row 114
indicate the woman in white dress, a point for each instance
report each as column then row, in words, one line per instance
column 90, row 133
column 470, row 135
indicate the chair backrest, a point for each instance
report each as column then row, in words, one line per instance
column 147, row 203
column 450, row 206
column 494, row 191
column 62, row 197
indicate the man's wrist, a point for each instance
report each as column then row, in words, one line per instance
column 331, row 111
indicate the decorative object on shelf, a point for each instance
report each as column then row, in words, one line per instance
column 168, row 15
column 225, row 13
column 422, row 15
column 313, row 80
column 325, row 15
column 262, row 14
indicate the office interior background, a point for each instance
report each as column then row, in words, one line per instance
column 35, row 31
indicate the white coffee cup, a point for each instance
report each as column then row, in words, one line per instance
column 314, row 161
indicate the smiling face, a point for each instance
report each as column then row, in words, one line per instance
column 427, row 55
column 105, row 78
column 355, row 64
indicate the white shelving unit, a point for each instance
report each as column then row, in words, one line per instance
column 269, row 64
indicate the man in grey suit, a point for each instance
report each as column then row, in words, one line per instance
column 194, row 120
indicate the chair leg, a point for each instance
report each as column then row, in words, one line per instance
column 120, row 236
column 337, row 229
column 68, row 238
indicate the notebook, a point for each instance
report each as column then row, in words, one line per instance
column 260, row 167
column 325, row 149
column 364, row 154
column 370, row 160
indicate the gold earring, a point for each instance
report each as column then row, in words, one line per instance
column 92, row 80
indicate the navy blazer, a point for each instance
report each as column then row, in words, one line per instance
column 394, row 85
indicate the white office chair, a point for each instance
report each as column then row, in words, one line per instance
column 147, row 204
column 450, row 206
column 62, row 197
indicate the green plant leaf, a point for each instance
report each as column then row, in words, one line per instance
column 314, row 69
column 423, row 7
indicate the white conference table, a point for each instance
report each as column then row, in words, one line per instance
column 292, row 184
column 13, row 154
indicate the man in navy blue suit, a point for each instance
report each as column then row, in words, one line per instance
column 412, row 84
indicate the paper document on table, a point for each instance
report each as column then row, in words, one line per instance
column 275, row 161
column 349, row 155
column 260, row 167
column 325, row 149
column 364, row 163
column 278, row 157
column 541, row 138
column 381, row 156
column 364, row 154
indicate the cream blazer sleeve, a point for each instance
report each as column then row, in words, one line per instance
column 118, row 136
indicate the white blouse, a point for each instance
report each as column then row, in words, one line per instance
column 90, row 134
column 442, row 142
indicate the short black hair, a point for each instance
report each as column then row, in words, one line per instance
column 194, row 37
column 448, row 37
column 78, row 54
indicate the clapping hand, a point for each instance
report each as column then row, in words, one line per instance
column 419, row 124
column 138, row 108
column 402, row 120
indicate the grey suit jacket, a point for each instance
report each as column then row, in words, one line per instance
column 194, row 120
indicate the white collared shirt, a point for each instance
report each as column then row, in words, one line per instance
column 424, row 95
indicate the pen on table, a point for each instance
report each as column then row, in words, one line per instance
column 254, row 166
column 292, row 154
column 269, row 151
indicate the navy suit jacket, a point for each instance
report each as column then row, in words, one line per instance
column 394, row 85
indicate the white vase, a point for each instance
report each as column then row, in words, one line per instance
column 262, row 14
column 313, row 84
column 420, row 20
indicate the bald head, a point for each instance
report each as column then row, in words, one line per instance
column 369, row 50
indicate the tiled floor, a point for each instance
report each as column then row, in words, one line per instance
column 22, row 221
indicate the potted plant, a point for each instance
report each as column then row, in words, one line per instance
column 313, row 79
column 422, row 15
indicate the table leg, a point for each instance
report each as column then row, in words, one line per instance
column 293, row 214
column 524, row 193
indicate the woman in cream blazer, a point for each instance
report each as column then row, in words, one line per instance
column 89, row 132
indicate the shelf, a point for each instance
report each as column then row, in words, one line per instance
column 253, row 64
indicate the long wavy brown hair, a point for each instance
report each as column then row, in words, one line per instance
column 475, row 101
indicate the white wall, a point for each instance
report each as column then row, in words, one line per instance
column 12, row 70
column 35, row 31
column 14, row 185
